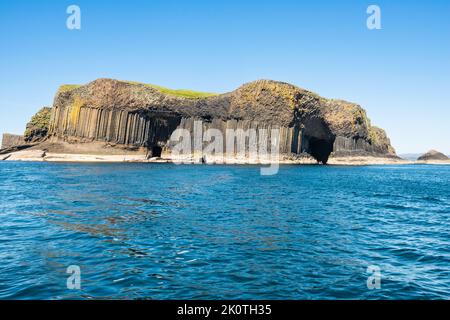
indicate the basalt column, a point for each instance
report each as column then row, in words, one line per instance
column 244, row 136
column 138, row 129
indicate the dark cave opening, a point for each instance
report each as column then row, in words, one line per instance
column 320, row 149
column 156, row 152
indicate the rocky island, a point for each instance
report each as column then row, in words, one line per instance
column 112, row 120
column 433, row 156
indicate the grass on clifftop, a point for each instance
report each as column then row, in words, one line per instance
column 68, row 87
column 183, row 93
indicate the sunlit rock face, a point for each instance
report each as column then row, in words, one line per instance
column 140, row 116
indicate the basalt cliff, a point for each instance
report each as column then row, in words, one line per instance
column 117, row 115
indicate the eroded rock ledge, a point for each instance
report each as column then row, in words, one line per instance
column 142, row 118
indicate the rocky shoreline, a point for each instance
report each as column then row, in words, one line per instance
column 37, row 155
column 98, row 152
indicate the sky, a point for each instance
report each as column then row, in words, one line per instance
column 400, row 74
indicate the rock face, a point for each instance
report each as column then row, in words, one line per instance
column 433, row 155
column 36, row 131
column 37, row 128
column 12, row 140
column 135, row 116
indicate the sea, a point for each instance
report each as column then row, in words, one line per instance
column 166, row 231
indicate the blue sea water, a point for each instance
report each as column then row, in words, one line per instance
column 162, row 231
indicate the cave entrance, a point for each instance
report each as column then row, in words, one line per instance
column 156, row 152
column 320, row 149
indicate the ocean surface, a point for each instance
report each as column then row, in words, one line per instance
column 162, row 231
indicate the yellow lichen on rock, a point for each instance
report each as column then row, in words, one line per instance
column 75, row 110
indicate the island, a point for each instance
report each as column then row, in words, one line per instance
column 433, row 157
column 113, row 120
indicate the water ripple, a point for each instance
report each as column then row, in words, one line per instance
column 150, row 231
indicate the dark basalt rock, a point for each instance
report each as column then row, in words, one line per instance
column 16, row 148
column 433, row 155
column 141, row 116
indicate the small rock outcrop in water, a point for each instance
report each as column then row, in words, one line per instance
column 132, row 115
column 433, row 155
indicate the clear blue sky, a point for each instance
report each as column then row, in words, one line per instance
column 400, row 74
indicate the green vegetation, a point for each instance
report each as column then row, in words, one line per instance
column 67, row 87
column 183, row 93
column 37, row 128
